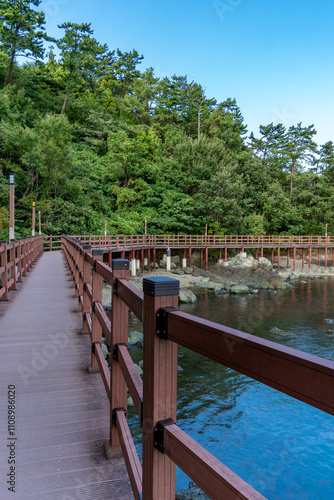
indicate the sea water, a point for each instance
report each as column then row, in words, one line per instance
column 282, row 447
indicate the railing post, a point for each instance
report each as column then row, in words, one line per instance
column 4, row 279
column 96, row 297
column 76, row 257
column 19, row 264
column 24, row 256
column 12, row 258
column 86, row 279
column 119, row 335
column 81, row 256
column 159, row 388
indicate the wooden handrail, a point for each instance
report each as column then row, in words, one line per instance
column 303, row 376
column 16, row 259
column 213, row 477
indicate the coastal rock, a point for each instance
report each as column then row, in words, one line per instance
column 239, row 289
column 176, row 259
column 136, row 338
column 277, row 331
column 244, row 263
column 265, row 263
column 193, row 493
column 139, row 369
column 187, row 270
column 186, row 296
column 130, row 402
column 178, row 271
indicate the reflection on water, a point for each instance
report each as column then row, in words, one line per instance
column 283, row 447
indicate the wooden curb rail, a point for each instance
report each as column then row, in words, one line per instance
column 302, row 376
column 17, row 258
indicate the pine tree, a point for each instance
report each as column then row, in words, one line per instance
column 22, row 31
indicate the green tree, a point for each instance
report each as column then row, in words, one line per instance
column 83, row 58
column 299, row 149
column 326, row 160
column 22, row 31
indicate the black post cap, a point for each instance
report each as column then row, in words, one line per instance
column 86, row 247
column 97, row 251
column 161, row 286
column 3, row 241
column 120, row 264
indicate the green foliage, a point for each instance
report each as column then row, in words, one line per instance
column 21, row 31
column 133, row 147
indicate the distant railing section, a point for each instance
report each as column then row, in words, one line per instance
column 303, row 376
column 52, row 243
column 16, row 259
column 212, row 241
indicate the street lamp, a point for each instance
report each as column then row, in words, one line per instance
column 11, row 206
column 33, row 219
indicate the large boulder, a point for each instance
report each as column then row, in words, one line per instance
column 239, row 289
column 186, row 296
column 265, row 263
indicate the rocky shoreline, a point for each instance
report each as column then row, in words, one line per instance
column 240, row 275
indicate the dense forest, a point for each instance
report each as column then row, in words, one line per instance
column 88, row 133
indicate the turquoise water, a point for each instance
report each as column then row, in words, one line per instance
column 282, row 447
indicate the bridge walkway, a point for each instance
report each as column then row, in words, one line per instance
column 61, row 412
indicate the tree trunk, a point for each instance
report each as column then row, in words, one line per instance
column 8, row 78
column 199, row 120
column 292, row 174
column 65, row 102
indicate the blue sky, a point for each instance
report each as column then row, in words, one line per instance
column 275, row 58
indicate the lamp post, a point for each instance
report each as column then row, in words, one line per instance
column 326, row 230
column 105, row 226
column 39, row 222
column 145, row 226
column 33, row 219
column 11, row 206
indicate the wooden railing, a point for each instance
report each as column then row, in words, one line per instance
column 303, row 376
column 52, row 243
column 212, row 241
column 17, row 257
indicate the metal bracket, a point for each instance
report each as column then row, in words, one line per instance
column 159, row 433
column 85, row 286
column 141, row 414
column 84, row 316
column 114, row 414
column 115, row 287
column 93, row 346
column 93, row 305
column 94, row 265
column 115, row 355
column 161, row 323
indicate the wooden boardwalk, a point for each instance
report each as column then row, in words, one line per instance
column 62, row 412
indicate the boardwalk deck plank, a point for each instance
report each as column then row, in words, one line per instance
column 62, row 412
